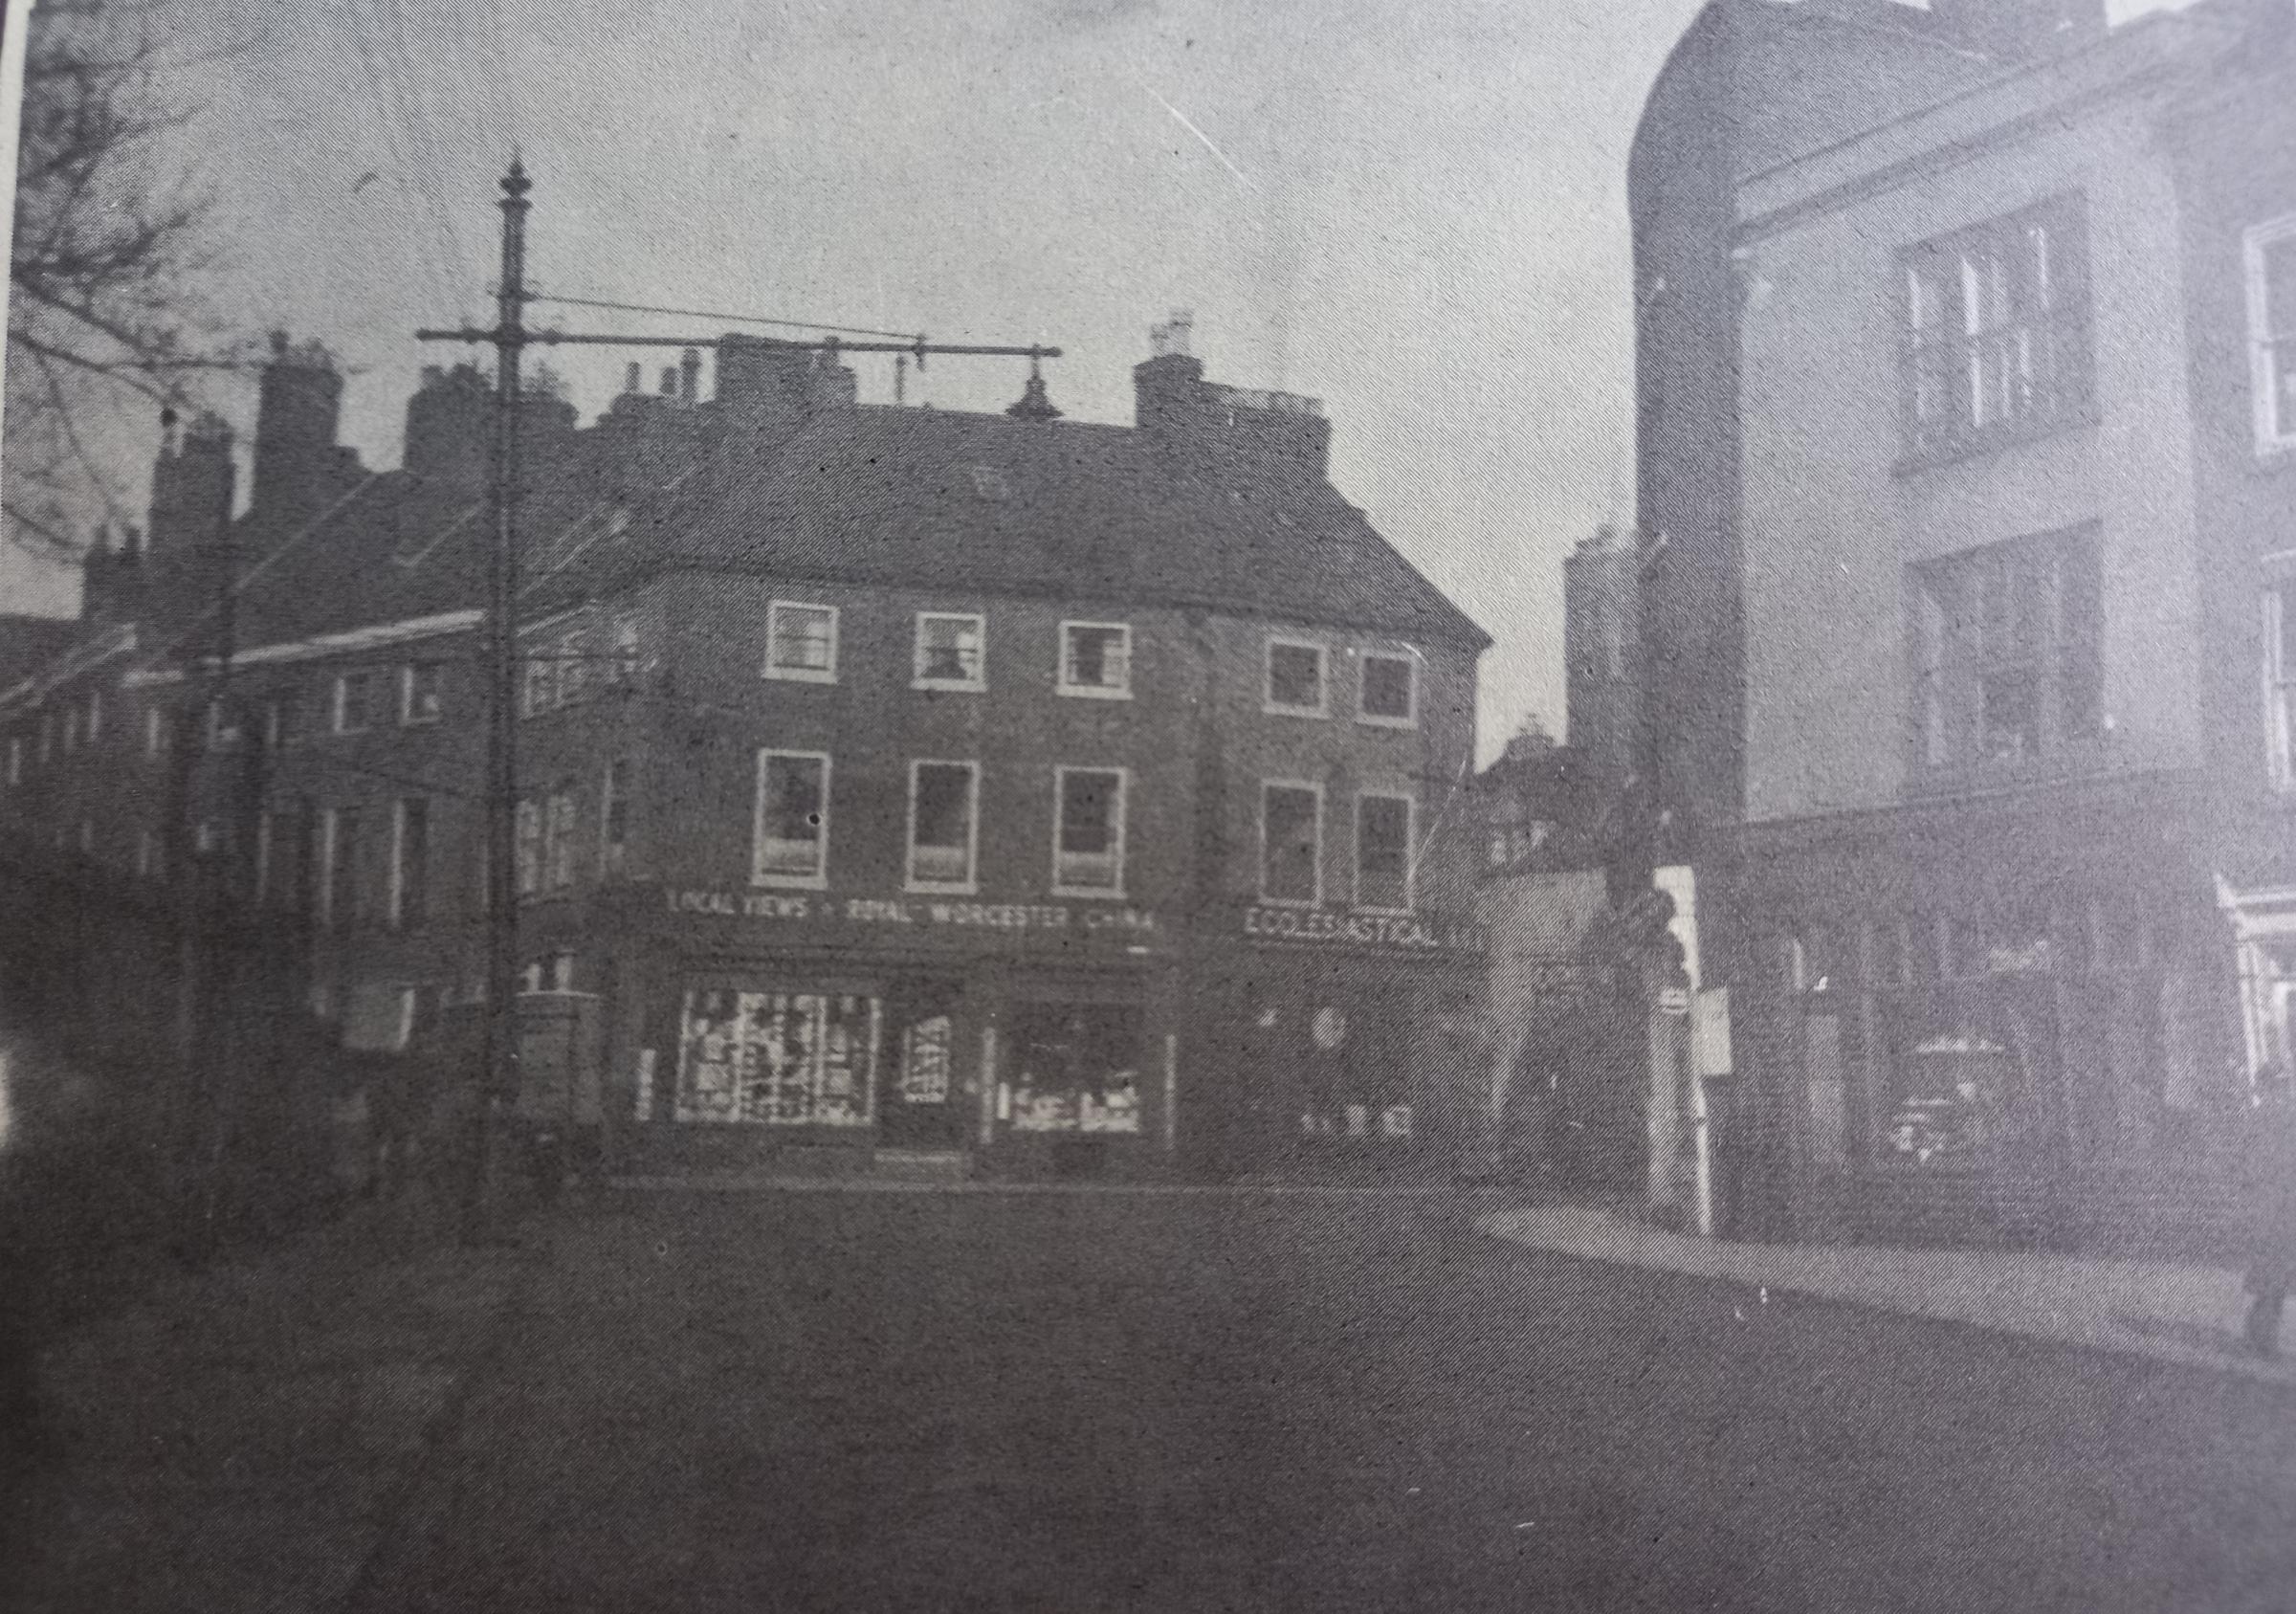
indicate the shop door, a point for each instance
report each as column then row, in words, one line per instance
column 925, row 1102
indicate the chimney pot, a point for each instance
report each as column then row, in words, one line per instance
column 669, row 381
column 633, row 380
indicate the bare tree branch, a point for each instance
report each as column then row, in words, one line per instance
column 105, row 264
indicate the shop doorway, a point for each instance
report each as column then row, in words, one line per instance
column 925, row 1100
column 1075, row 1076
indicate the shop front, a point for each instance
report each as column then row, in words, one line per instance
column 823, row 1033
column 1347, row 1044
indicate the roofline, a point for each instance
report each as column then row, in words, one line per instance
column 94, row 653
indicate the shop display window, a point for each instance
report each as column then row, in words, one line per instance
column 776, row 1058
column 1971, row 1072
column 1075, row 1069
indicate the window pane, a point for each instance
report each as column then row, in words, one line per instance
column 1095, row 658
column 949, row 648
column 792, row 826
column 1296, row 677
column 802, row 638
column 1382, row 852
column 2280, row 288
column 1091, row 829
column 940, row 839
column 1289, row 828
column 1387, row 687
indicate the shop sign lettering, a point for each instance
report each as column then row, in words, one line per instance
column 922, row 913
column 1406, row 932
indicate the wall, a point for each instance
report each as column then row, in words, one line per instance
column 1830, row 524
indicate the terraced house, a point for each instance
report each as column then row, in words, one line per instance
column 1064, row 797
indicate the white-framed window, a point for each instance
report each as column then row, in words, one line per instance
column 15, row 758
column 266, row 829
column 624, row 665
column 2279, row 680
column 278, row 720
column 71, row 729
column 1088, row 832
column 801, row 642
column 944, row 825
column 358, row 700
column 339, row 884
column 410, row 860
column 1294, row 683
column 552, row 972
column 2269, row 250
column 558, row 843
column 150, row 856
column 530, row 848
column 419, row 692
column 1388, row 694
column 1385, row 821
column 951, row 650
column 47, row 735
column 222, row 726
column 1291, row 842
column 613, row 820
column 791, row 843
column 1096, row 660
column 155, row 732
column 94, row 716
column 570, row 668
column 539, row 687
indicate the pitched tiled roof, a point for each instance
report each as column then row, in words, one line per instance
column 1084, row 512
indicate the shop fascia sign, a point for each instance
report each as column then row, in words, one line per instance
column 958, row 914
column 1404, row 933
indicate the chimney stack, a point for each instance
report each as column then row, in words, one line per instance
column 1202, row 426
column 299, row 410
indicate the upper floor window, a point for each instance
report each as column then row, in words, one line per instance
column 358, row 701
column 410, row 860
column 801, row 642
column 613, row 820
column 279, row 720
column 791, row 847
column 71, row 729
column 1096, row 659
column 340, row 891
column 15, row 758
column 1996, row 330
column 1296, row 678
column 222, row 726
column 418, row 691
column 1292, row 843
column 1390, row 693
column 1383, row 850
column 1088, row 836
column 2280, row 681
column 623, row 664
column 2271, row 263
column 558, row 844
column 155, row 732
column 2007, row 665
column 945, row 823
column 529, row 847
column 949, row 650
column 94, row 716
column 538, row 690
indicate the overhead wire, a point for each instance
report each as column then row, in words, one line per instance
column 711, row 314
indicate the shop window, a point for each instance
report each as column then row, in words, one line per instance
column 419, row 693
column 1354, row 1076
column 1089, row 836
column 1996, row 332
column 1390, row 692
column 1971, row 1075
column 943, row 825
column 2007, row 662
column 2280, row 683
column 801, row 642
column 793, row 836
column 1096, row 659
column 2270, row 251
column 949, row 652
column 776, row 1058
column 1383, row 871
column 1074, row 1067
column 1296, row 678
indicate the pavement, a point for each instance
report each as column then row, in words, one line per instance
column 1076, row 1400
column 2175, row 1313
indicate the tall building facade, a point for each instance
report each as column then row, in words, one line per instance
column 1959, row 453
column 1064, row 797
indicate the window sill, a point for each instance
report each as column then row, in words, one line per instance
column 950, row 686
column 1301, row 904
column 1092, row 692
column 1978, row 445
column 1273, row 709
column 1368, row 721
column 790, row 882
column 800, row 675
column 931, row 887
column 1090, row 894
column 2084, row 760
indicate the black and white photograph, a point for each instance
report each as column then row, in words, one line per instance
column 1148, row 806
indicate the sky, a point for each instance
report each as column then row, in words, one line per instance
column 1413, row 209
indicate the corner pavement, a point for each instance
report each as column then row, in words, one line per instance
column 2187, row 1314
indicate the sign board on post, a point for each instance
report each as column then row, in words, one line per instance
column 1675, row 999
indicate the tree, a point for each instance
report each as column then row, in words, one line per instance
column 106, row 253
